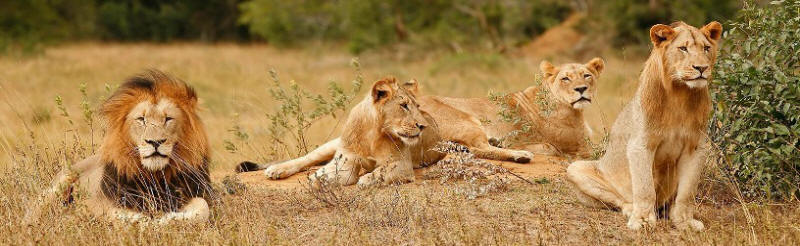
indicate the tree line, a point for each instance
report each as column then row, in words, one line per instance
column 362, row 24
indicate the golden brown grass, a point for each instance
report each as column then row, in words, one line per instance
column 232, row 82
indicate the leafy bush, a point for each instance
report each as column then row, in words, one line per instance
column 284, row 22
column 26, row 24
column 207, row 20
column 299, row 110
column 628, row 21
column 372, row 23
column 756, row 122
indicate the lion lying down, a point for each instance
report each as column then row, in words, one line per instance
column 387, row 135
column 153, row 159
column 568, row 89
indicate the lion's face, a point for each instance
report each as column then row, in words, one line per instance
column 153, row 126
column 398, row 110
column 573, row 83
column 688, row 53
column 155, row 129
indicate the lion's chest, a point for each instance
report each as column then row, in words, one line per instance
column 141, row 195
column 153, row 192
column 671, row 146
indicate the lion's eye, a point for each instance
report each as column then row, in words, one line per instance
column 683, row 48
column 587, row 76
column 140, row 119
column 168, row 119
column 565, row 79
column 706, row 48
column 404, row 105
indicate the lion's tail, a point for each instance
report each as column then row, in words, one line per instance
column 320, row 155
column 249, row 166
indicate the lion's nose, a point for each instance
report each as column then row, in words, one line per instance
column 156, row 143
column 421, row 126
column 581, row 89
column 700, row 68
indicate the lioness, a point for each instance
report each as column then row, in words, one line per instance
column 657, row 151
column 387, row 135
column 568, row 89
column 153, row 159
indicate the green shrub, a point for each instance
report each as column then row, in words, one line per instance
column 756, row 123
column 629, row 21
column 299, row 110
column 367, row 24
column 285, row 22
column 27, row 24
column 207, row 20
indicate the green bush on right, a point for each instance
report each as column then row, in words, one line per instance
column 756, row 121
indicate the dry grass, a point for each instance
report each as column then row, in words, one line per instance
column 232, row 82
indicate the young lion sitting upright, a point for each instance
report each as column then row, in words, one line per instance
column 153, row 159
column 656, row 152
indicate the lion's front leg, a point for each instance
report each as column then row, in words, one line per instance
column 682, row 211
column 105, row 208
column 61, row 187
column 388, row 172
column 196, row 210
column 343, row 169
column 60, row 190
column 319, row 155
column 640, row 165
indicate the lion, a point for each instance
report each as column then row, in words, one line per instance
column 567, row 89
column 657, row 147
column 153, row 159
column 385, row 137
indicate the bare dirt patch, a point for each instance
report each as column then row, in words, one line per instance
column 540, row 167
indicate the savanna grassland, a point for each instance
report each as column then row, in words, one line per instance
column 37, row 138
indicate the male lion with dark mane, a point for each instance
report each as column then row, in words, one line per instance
column 657, row 147
column 385, row 136
column 153, row 159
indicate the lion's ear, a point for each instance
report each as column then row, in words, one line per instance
column 383, row 89
column 547, row 69
column 412, row 86
column 660, row 33
column 597, row 64
column 192, row 96
column 712, row 30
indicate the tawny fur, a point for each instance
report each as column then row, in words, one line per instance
column 657, row 147
column 562, row 131
column 117, row 185
column 388, row 134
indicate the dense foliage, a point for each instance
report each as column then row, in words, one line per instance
column 756, row 122
column 28, row 23
column 629, row 21
column 366, row 24
column 362, row 24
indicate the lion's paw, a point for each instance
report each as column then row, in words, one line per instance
column 626, row 209
column 278, row 172
column 693, row 224
column 637, row 222
column 366, row 180
column 523, row 157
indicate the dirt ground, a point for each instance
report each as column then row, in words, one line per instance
column 549, row 167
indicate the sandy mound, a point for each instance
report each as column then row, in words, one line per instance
column 560, row 39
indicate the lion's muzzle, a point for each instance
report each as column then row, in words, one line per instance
column 155, row 154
